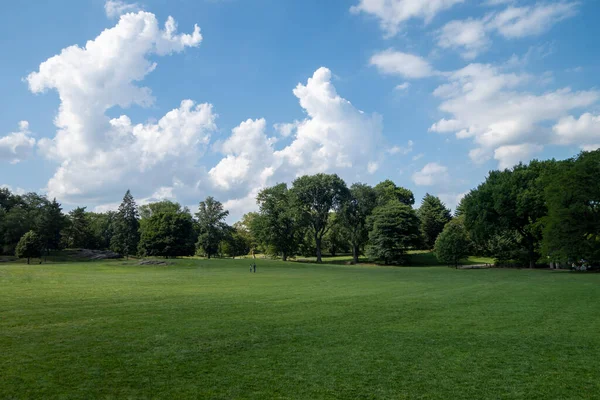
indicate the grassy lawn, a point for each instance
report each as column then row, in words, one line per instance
column 210, row 329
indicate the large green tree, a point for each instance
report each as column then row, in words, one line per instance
column 147, row 210
column 211, row 223
column 354, row 214
column 572, row 227
column 434, row 215
column 453, row 244
column 394, row 230
column 278, row 224
column 388, row 191
column 314, row 198
column 167, row 234
column 30, row 246
column 510, row 202
column 102, row 229
column 19, row 214
column 126, row 235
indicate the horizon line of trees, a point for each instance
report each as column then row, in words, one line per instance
column 540, row 213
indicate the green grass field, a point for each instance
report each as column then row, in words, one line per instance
column 210, row 329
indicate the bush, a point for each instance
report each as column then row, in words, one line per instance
column 453, row 244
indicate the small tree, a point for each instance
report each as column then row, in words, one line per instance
column 29, row 246
column 453, row 244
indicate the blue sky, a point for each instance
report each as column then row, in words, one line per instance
column 429, row 93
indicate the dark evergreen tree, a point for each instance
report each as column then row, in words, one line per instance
column 394, row 230
column 51, row 223
column 126, row 228
column 433, row 215
column 77, row 232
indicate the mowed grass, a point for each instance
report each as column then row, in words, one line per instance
column 210, row 329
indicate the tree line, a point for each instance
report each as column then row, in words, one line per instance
column 545, row 212
column 317, row 215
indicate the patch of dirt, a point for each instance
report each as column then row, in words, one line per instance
column 96, row 254
column 153, row 262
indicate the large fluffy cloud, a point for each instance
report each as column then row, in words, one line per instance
column 583, row 131
column 493, row 108
column 393, row 13
column 335, row 137
column 17, row 146
column 99, row 155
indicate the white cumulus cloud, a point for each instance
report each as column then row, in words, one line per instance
column 17, row 146
column 493, row 108
column 407, row 65
column 98, row 156
column 472, row 36
column 583, row 131
column 431, row 174
column 335, row 137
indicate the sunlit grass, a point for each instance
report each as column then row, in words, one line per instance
column 211, row 329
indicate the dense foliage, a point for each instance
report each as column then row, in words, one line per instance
column 395, row 229
column 545, row 212
column 167, row 234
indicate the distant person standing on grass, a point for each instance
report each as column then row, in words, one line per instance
column 250, row 267
column 254, row 267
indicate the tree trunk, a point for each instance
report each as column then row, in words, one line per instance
column 27, row 260
column 355, row 254
column 531, row 253
column 284, row 256
column 318, row 243
column 208, row 255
